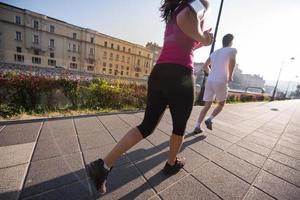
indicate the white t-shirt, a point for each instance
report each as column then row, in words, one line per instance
column 220, row 64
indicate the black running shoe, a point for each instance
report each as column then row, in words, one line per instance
column 208, row 124
column 98, row 174
column 173, row 169
column 197, row 130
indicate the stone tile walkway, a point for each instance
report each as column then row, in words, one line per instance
column 252, row 153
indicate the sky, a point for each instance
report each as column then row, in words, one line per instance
column 266, row 31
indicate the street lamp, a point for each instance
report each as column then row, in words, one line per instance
column 275, row 89
column 200, row 98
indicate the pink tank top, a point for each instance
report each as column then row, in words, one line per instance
column 178, row 47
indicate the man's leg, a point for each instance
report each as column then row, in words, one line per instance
column 215, row 112
column 201, row 116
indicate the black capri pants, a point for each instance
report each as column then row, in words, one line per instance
column 168, row 85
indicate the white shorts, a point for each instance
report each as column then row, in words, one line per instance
column 213, row 89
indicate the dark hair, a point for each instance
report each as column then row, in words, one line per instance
column 227, row 39
column 169, row 6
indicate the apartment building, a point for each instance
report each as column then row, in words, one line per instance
column 34, row 39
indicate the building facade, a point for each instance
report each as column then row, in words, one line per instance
column 34, row 39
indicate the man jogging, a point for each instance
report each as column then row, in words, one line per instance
column 222, row 64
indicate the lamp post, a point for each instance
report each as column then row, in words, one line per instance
column 200, row 98
column 275, row 89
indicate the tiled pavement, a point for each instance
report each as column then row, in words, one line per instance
column 252, row 153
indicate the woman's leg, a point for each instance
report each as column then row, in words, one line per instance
column 129, row 140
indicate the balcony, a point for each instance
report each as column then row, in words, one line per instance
column 36, row 45
column 51, row 48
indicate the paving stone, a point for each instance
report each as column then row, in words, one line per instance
column 117, row 134
column 218, row 142
column 77, row 190
column 282, row 171
column 289, row 145
column 254, row 147
column 52, row 173
column 127, row 183
column 112, row 122
column 291, row 140
column 141, row 150
column 237, row 166
column 221, row 182
column 151, row 167
column 188, row 188
column 130, row 119
column 256, row 194
column 205, row 149
column 57, row 128
column 100, row 152
column 19, row 133
column 267, row 142
column 15, row 154
column 288, row 151
column 89, row 125
column 159, row 139
column 49, row 147
column 11, row 181
column 95, row 140
column 226, row 136
column 276, row 187
column 193, row 159
column 247, row 155
column 286, row 160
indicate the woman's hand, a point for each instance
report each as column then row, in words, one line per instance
column 207, row 38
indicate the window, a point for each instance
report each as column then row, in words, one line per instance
column 35, row 24
column 110, row 71
column 111, row 56
column 127, row 68
column 138, row 62
column 90, row 68
column 74, row 35
column 112, row 45
column 117, row 57
column 36, row 39
column 122, row 73
column 92, row 40
column 74, row 47
column 18, row 36
column 73, row 58
column 36, row 52
column 110, row 65
column 104, row 64
column 116, row 72
column 127, row 73
column 51, row 62
column 128, row 60
column 91, row 51
column 129, row 50
column 51, row 43
column 122, row 67
column 118, row 47
column 105, row 44
column 104, row 69
column 148, row 55
column 146, row 72
column 52, row 28
column 51, row 55
column 136, row 74
column 36, row 60
column 104, row 54
column 117, row 66
column 124, row 49
column 73, row 65
column 18, row 20
column 19, row 49
column 139, row 52
column 19, row 58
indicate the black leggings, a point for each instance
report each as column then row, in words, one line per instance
column 172, row 85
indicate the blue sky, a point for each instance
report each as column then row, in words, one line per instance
column 266, row 31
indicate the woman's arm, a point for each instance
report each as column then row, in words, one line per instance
column 190, row 25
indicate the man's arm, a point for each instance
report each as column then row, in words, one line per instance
column 206, row 67
column 232, row 63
